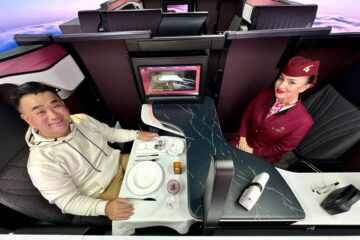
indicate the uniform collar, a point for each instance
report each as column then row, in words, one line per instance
column 272, row 101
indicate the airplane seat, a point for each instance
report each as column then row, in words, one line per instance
column 117, row 5
column 278, row 14
column 183, row 24
column 50, row 64
column 351, row 158
column 4, row 92
column 336, row 129
column 90, row 21
column 237, row 21
column 16, row 189
column 141, row 19
column 4, row 231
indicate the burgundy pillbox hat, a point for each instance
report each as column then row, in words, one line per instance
column 299, row 66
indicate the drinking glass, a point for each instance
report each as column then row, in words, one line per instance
column 173, row 187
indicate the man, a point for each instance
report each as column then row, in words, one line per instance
column 70, row 161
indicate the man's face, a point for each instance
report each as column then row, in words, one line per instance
column 47, row 113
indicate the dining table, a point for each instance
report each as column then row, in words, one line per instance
column 155, row 182
column 199, row 124
column 286, row 199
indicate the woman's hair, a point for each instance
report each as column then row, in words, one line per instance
column 28, row 88
column 310, row 79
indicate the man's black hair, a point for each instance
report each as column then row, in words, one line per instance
column 28, row 88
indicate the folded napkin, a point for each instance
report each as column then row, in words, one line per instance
column 253, row 191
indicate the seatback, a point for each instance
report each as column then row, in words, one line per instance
column 336, row 125
column 116, row 5
column 183, row 24
column 16, row 189
column 237, row 19
column 289, row 16
column 89, row 21
column 131, row 20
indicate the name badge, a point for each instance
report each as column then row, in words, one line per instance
column 278, row 129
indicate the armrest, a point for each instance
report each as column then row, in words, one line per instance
column 303, row 166
column 317, row 165
column 61, row 230
column 4, row 230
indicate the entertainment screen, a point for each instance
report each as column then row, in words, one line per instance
column 174, row 6
column 177, row 8
column 170, row 79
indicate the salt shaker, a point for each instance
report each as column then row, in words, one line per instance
column 253, row 191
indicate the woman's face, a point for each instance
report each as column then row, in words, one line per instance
column 287, row 88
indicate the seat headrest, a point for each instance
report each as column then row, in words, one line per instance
column 12, row 137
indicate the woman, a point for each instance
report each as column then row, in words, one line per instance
column 276, row 121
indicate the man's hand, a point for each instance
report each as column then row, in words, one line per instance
column 243, row 145
column 147, row 136
column 119, row 209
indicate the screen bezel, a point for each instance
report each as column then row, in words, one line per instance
column 137, row 63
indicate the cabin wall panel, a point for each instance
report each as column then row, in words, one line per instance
column 152, row 4
column 348, row 83
column 351, row 158
column 333, row 61
column 109, row 67
column 251, row 66
column 227, row 12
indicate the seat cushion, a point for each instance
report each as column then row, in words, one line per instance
column 18, row 192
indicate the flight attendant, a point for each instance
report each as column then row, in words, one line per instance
column 276, row 121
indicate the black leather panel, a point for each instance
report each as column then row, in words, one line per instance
column 336, row 125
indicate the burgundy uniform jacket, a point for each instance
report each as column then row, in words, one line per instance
column 272, row 137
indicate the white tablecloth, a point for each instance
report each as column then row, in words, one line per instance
column 157, row 213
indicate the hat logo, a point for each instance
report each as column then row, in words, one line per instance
column 307, row 69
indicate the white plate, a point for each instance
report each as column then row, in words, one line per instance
column 144, row 178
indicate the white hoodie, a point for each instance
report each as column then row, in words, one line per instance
column 72, row 171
